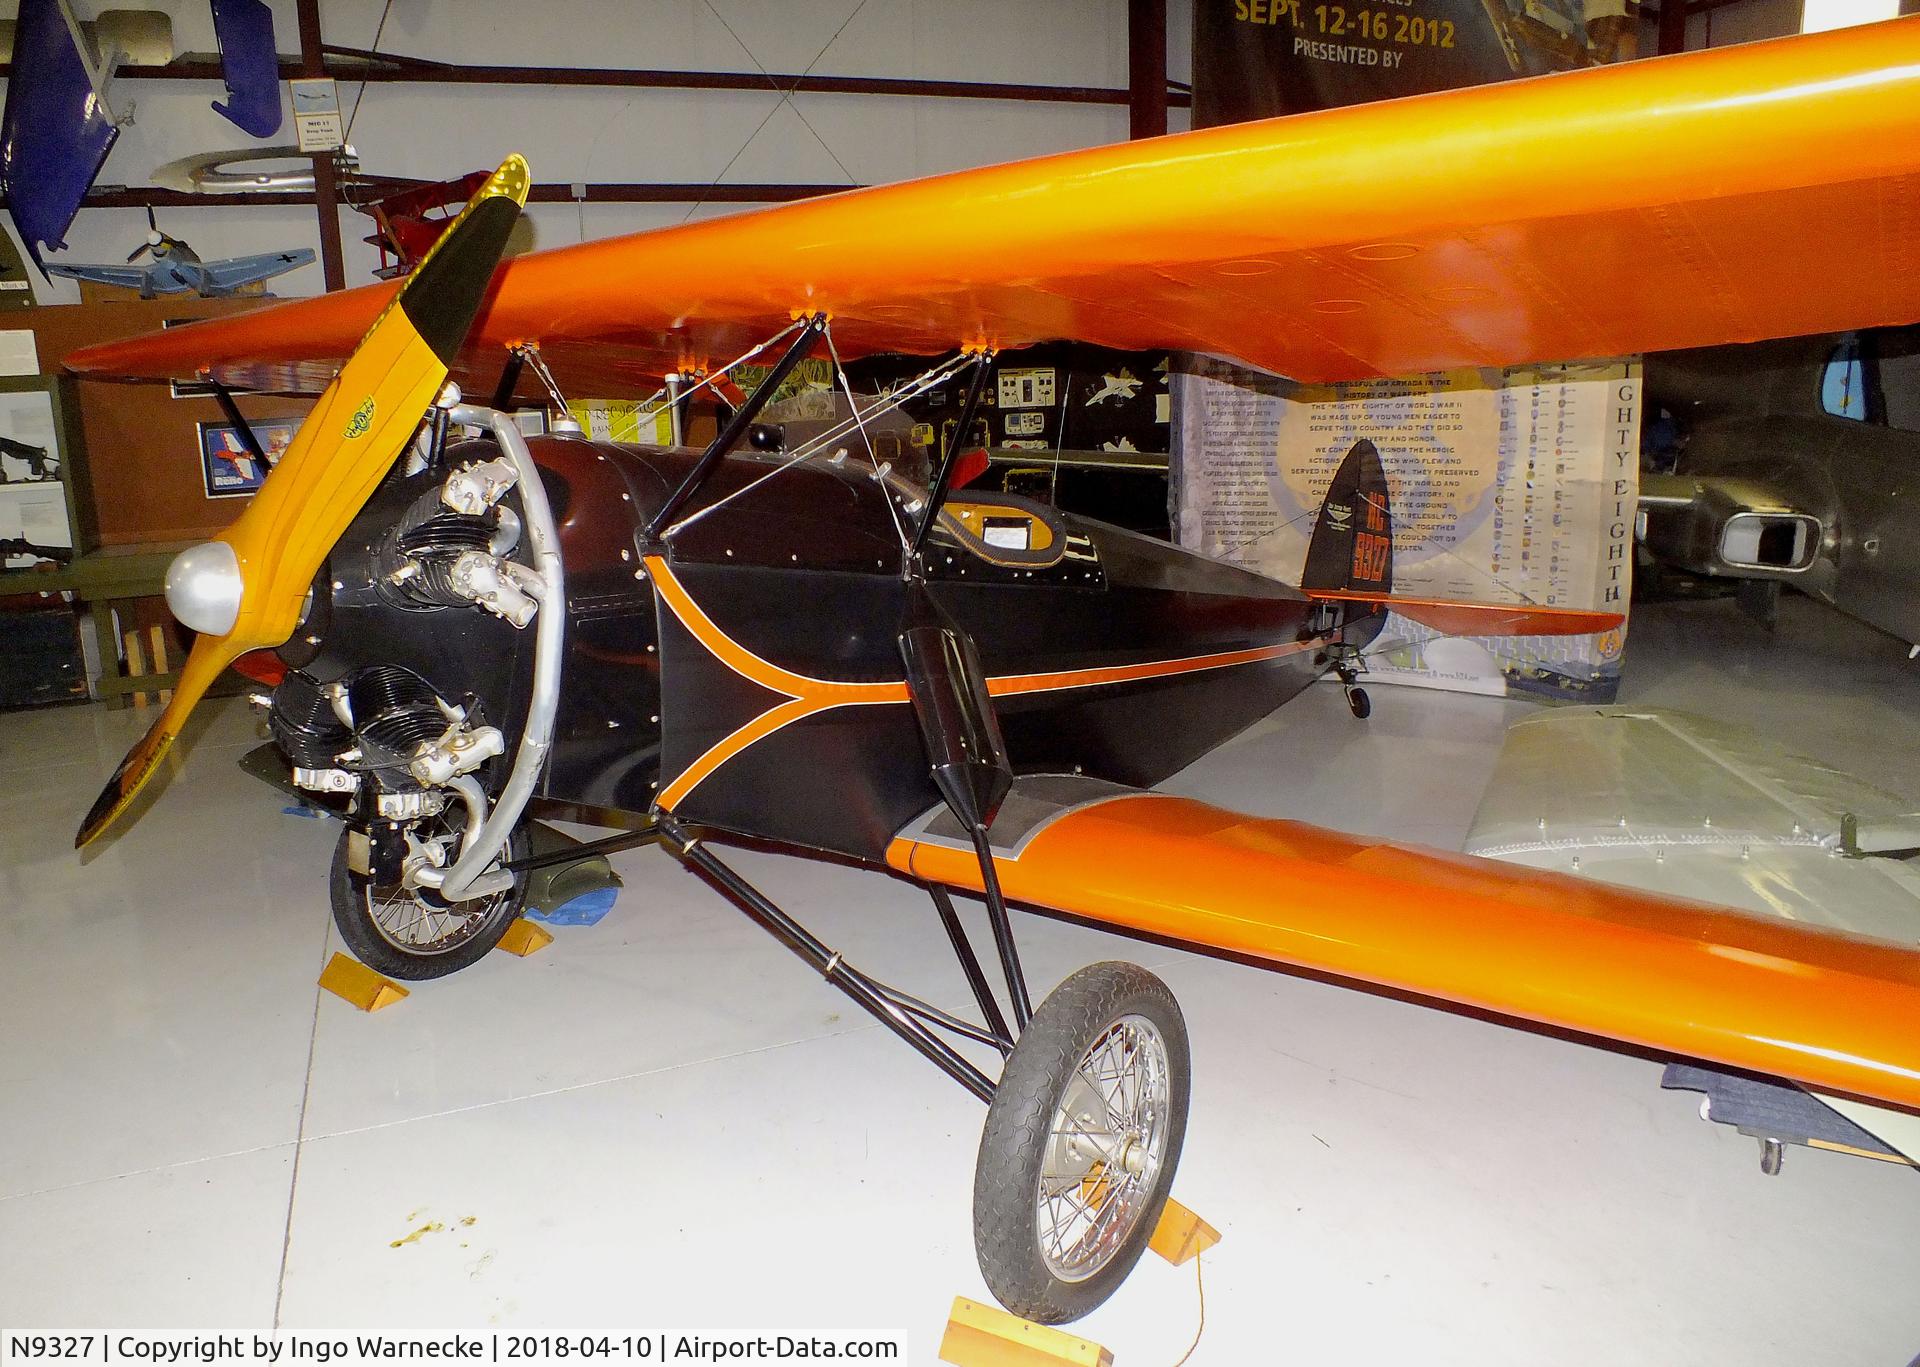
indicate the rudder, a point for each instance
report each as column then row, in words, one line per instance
column 1352, row 544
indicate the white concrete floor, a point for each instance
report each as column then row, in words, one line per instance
column 665, row 1119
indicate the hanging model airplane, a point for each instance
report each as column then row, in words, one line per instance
column 177, row 269
column 408, row 222
column 802, row 647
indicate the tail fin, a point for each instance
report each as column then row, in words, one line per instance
column 1350, row 560
column 1352, row 545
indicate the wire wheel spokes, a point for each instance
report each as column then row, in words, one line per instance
column 1107, row 1143
column 419, row 920
column 407, row 920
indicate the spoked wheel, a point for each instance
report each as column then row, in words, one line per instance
column 1081, row 1142
column 414, row 933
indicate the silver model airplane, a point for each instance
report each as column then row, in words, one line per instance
column 177, row 269
column 1791, row 461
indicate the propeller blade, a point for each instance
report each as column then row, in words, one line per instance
column 356, row 430
column 134, row 255
column 209, row 656
column 153, row 224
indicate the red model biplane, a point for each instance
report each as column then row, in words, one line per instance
column 408, row 222
column 803, row 647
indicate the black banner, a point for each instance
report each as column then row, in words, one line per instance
column 1256, row 58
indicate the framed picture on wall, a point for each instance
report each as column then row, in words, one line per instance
column 35, row 519
column 227, row 468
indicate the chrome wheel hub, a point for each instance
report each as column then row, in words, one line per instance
column 1107, row 1144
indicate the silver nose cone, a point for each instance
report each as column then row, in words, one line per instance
column 203, row 588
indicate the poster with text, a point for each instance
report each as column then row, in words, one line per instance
column 1256, row 58
column 1505, row 486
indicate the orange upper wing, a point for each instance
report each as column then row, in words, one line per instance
column 1832, row 1010
column 1746, row 192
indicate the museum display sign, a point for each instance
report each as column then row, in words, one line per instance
column 1513, row 485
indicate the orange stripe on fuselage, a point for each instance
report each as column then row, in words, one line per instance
column 807, row 695
column 1150, row 669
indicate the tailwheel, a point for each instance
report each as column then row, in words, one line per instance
column 411, row 932
column 1081, row 1142
column 1349, row 665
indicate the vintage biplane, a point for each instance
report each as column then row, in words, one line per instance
column 408, row 222
column 802, row 647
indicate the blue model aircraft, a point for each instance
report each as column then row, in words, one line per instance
column 177, row 269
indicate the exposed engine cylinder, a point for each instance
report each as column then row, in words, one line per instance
column 450, row 548
column 304, row 725
column 395, row 712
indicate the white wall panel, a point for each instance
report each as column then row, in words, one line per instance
column 587, row 135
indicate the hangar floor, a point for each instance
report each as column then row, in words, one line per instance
column 665, row 1121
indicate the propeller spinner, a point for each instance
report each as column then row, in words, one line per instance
column 157, row 242
column 246, row 589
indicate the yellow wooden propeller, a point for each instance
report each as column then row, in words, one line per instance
column 245, row 589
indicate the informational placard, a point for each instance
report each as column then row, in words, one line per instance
column 623, row 420
column 1506, row 486
column 18, row 354
column 316, row 114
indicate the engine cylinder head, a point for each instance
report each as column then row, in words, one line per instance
column 395, row 711
column 304, row 725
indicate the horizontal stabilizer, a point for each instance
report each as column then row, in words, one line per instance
column 1481, row 619
column 1830, row 1010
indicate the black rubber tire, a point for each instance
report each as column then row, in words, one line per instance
column 1006, row 1234
column 1359, row 703
column 373, row 949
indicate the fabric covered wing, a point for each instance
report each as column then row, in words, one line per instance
column 1657, row 204
column 55, row 133
column 1831, row 1010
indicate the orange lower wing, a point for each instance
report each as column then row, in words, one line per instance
column 1481, row 619
column 1829, row 1010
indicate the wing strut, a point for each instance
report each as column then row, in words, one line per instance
column 908, row 1017
column 224, row 397
column 736, row 426
column 943, row 477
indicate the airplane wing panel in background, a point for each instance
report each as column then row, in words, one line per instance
column 1683, row 806
column 1657, row 204
column 1820, row 1007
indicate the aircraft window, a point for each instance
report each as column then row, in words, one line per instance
column 1843, row 385
column 1900, row 388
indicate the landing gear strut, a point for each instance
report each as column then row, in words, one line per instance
column 1346, row 663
